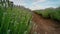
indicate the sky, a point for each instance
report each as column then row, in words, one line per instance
column 37, row 4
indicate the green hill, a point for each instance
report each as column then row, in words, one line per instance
column 53, row 13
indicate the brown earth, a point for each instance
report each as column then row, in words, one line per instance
column 44, row 26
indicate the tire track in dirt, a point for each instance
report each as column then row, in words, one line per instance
column 44, row 26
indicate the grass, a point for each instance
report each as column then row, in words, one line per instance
column 15, row 21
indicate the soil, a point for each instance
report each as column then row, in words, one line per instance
column 44, row 26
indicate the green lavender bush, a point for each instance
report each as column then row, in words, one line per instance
column 15, row 21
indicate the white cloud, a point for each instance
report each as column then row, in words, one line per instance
column 36, row 7
column 37, row 1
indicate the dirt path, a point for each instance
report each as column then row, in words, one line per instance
column 44, row 26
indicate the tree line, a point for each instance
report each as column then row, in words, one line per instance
column 6, row 3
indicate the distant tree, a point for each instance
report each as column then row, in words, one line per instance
column 11, row 4
column 1, row 2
